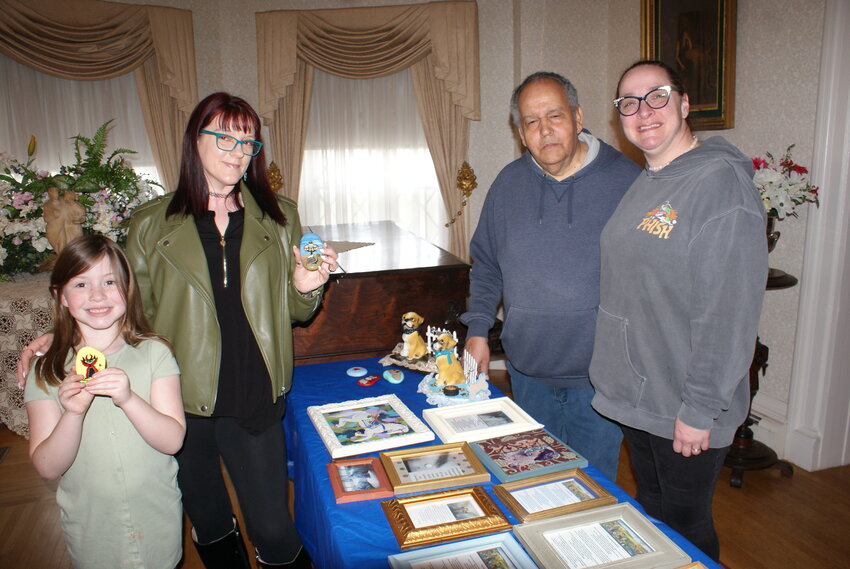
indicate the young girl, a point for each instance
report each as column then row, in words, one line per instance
column 109, row 440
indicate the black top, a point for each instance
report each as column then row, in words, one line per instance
column 243, row 381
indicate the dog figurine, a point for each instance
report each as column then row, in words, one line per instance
column 450, row 370
column 414, row 346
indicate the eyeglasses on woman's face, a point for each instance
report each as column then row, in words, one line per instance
column 655, row 99
column 228, row 143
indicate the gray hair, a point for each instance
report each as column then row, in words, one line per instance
column 569, row 91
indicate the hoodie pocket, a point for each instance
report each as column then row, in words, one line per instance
column 549, row 343
column 612, row 372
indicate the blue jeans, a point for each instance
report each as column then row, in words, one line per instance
column 567, row 414
column 675, row 489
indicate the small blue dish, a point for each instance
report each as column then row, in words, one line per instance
column 356, row 371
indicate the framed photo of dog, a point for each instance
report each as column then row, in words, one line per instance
column 367, row 425
column 697, row 39
column 355, row 479
column 479, row 420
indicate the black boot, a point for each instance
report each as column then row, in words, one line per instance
column 226, row 553
column 302, row 561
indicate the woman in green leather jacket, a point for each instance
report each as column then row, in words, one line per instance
column 220, row 276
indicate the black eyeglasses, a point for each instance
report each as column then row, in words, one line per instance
column 229, row 143
column 655, row 99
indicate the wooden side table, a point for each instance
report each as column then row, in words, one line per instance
column 746, row 453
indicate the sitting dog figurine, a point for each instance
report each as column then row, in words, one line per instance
column 450, row 371
column 414, row 346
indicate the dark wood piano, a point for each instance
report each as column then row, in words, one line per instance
column 361, row 313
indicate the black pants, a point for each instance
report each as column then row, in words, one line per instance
column 675, row 489
column 257, row 468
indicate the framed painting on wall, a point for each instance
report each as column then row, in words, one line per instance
column 697, row 39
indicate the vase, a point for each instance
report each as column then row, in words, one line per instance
column 776, row 278
column 772, row 235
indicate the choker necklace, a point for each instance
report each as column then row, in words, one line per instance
column 693, row 145
column 215, row 195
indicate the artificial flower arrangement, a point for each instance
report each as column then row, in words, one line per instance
column 107, row 187
column 783, row 185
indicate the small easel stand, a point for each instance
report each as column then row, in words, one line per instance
column 474, row 387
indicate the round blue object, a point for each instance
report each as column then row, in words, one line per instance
column 394, row 375
column 356, row 371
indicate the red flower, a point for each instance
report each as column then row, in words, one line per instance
column 759, row 163
column 799, row 169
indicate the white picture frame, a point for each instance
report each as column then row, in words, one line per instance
column 479, row 420
column 367, row 425
column 498, row 550
column 619, row 530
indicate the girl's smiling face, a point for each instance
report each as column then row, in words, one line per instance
column 94, row 298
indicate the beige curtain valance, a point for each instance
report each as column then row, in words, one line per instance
column 93, row 40
column 438, row 40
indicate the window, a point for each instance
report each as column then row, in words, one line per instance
column 366, row 158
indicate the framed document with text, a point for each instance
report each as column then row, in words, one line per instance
column 609, row 537
column 552, row 495
column 499, row 551
column 429, row 519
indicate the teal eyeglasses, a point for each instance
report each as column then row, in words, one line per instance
column 228, row 143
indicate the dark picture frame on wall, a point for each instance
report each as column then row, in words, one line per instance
column 697, row 39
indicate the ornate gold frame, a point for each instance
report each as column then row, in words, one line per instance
column 408, row 535
column 657, row 37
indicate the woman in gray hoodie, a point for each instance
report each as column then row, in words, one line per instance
column 684, row 267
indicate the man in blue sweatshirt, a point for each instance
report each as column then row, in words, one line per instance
column 536, row 250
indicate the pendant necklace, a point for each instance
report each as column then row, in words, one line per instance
column 691, row 147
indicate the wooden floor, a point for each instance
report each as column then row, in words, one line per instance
column 771, row 523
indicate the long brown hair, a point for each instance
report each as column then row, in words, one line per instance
column 77, row 257
column 227, row 111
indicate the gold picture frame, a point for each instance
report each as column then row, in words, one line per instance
column 438, row 517
column 697, row 39
column 565, row 492
column 433, row 467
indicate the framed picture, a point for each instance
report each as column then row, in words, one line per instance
column 554, row 494
column 367, row 425
column 355, row 479
column 479, row 420
column 522, row 455
column 428, row 519
column 500, row 551
column 603, row 538
column 697, row 39
column 433, row 467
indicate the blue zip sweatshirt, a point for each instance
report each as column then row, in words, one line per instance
column 536, row 249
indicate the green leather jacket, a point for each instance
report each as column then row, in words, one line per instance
column 177, row 296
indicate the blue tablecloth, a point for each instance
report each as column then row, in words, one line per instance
column 357, row 534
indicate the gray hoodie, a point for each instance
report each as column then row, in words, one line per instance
column 684, row 267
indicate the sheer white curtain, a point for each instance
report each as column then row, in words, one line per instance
column 55, row 110
column 366, row 158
